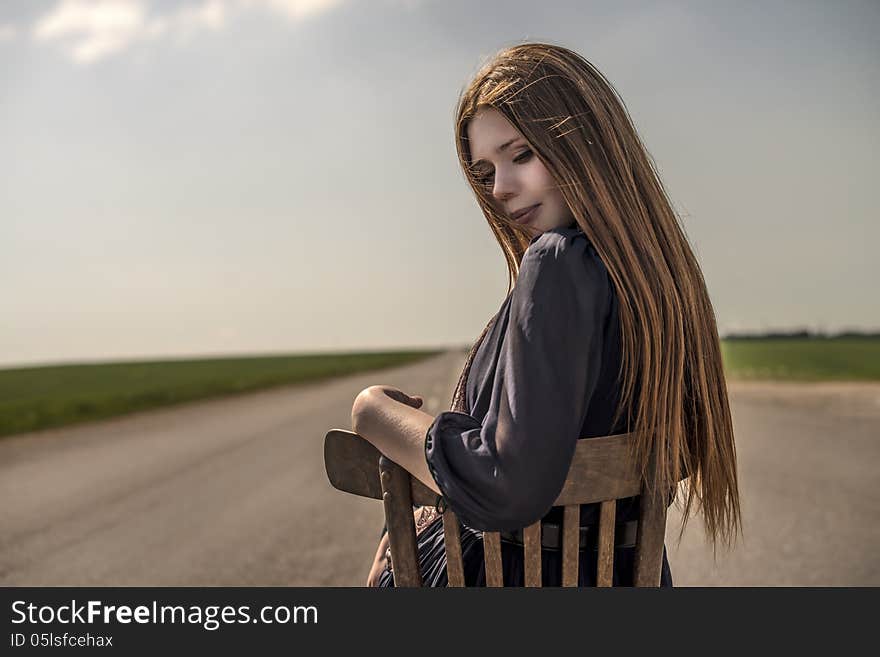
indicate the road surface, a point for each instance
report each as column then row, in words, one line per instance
column 233, row 492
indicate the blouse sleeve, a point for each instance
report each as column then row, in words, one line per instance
column 505, row 472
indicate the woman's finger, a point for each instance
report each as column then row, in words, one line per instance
column 400, row 396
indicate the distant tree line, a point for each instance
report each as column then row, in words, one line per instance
column 800, row 334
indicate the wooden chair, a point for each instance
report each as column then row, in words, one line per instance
column 601, row 471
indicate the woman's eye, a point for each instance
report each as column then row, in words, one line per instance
column 486, row 179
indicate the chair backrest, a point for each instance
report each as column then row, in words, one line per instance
column 601, row 471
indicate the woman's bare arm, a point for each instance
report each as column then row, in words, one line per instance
column 395, row 428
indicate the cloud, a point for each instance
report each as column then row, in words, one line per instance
column 90, row 30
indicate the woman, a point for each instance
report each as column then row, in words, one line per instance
column 608, row 328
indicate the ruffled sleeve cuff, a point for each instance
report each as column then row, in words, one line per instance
column 450, row 430
column 465, row 468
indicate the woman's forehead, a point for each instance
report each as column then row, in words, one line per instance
column 489, row 134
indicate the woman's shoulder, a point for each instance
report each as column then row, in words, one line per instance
column 560, row 242
column 564, row 251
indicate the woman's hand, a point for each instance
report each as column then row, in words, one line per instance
column 423, row 516
column 379, row 562
column 399, row 395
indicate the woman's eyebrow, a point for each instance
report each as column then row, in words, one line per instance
column 500, row 149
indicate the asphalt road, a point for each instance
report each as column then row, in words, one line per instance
column 233, row 492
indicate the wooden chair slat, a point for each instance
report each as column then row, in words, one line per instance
column 571, row 520
column 492, row 554
column 649, row 541
column 401, row 524
column 605, row 567
column 532, row 556
column 452, row 542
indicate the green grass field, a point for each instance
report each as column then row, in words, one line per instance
column 43, row 397
column 803, row 359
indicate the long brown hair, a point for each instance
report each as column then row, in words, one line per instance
column 672, row 381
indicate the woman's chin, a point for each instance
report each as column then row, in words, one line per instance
column 534, row 230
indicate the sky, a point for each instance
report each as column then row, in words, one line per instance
column 279, row 176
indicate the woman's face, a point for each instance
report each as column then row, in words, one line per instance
column 521, row 186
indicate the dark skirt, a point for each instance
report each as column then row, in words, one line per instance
column 432, row 562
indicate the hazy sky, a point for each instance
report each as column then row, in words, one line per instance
column 234, row 176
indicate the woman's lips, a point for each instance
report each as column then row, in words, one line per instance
column 524, row 217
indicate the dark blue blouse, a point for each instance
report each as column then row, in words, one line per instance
column 545, row 375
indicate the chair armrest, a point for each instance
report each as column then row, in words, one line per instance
column 352, row 465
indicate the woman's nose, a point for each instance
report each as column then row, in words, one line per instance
column 505, row 186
